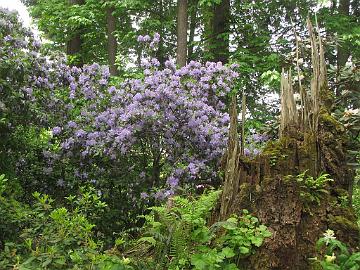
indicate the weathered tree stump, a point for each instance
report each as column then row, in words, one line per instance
column 311, row 141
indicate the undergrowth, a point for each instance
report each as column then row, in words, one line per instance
column 177, row 236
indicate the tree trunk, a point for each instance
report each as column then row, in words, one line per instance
column 355, row 5
column 182, row 22
column 343, row 54
column 160, row 55
column 73, row 46
column 112, row 44
column 220, row 31
column 193, row 23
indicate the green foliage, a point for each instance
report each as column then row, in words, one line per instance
column 356, row 196
column 312, row 188
column 335, row 254
column 177, row 236
column 344, row 27
column 55, row 238
column 13, row 214
column 3, row 181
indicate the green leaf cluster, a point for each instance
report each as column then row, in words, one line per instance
column 178, row 236
column 311, row 189
column 54, row 238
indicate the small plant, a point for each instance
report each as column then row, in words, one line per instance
column 312, row 188
column 336, row 254
column 344, row 201
column 177, row 236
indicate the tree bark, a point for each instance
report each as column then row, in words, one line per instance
column 220, row 32
column 112, row 43
column 343, row 54
column 355, row 5
column 193, row 20
column 73, row 46
column 160, row 55
column 182, row 32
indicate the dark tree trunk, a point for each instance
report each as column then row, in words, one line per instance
column 112, row 44
column 193, row 20
column 160, row 55
column 73, row 46
column 182, row 25
column 343, row 54
column 355, row 5
column 220, row 31
column 156, row 169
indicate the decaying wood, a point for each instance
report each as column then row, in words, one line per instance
column 310, row 101
column 304, row 110
column 231, row 174
column 289, row 114
column 243, row 114
column 310, row 140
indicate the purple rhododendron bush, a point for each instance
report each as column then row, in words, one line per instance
column 136, row 141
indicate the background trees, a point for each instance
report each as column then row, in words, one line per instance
column 254, row 34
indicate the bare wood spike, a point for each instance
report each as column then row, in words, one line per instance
column 289, row 115
column 243, row 114
column 304, row 110
column 315, row 80
column 232, row 171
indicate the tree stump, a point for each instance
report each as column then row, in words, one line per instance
column 312, row 141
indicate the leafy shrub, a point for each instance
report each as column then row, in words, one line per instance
column 177, row 236
column 13, row 214
column 356, row 195
column 58, row 238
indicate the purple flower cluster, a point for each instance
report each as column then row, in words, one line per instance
column 154, row 133
column 150, row 43
column 173, row 118
column 254, row 144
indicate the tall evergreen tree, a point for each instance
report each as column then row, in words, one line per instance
column 182, row 25
column 220, row 31
column 112, row 43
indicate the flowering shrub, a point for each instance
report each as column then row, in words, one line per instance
column 141, row 137
column 166, row 127
column 172, row 121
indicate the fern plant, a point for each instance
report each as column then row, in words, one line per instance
column 177, row 236
column 312, row 189
column 172, row 230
